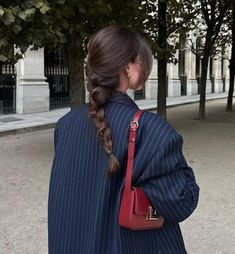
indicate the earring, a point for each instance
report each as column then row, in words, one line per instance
column 128, row 75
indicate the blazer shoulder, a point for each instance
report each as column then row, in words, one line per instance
column 151, row 120
column 76, row 113
column 156, row 129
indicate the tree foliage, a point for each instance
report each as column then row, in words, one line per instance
column 180, row 17
column 210, row 19
column 40, row 23
column 68, row 24
column 175, row 20
column 22, row 25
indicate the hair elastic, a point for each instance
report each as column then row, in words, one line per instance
column 110, row 153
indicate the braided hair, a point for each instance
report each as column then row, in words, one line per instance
column 109, row 52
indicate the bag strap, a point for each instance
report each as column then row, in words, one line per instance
column 131, row 151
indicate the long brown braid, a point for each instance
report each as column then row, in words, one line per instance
column 109, row 51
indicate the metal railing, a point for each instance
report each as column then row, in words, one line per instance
column 56, row 72
column 7, row 88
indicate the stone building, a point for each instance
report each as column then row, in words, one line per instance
column 39, row 82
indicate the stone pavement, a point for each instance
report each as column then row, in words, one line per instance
column 18, row 123
column 208, row 147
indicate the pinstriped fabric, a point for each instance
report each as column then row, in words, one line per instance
column 83, row 204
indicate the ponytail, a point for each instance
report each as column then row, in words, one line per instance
column 97, row 98
column 109, row 51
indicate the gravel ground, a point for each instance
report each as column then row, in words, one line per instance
column 208, row 146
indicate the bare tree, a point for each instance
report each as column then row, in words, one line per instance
column 232, row 64
column 175, row 19
column 212, row 16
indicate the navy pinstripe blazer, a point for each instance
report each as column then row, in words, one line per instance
column 84, row 204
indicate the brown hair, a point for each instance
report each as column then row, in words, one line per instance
column 109, row 52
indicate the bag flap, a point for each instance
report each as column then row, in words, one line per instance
column 142, row 202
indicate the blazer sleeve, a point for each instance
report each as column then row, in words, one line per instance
column 170, row 183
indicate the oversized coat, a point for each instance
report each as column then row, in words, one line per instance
column 84, row 203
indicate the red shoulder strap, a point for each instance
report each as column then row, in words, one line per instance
column 131, row 151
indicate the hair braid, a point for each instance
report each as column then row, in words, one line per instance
column 110, row 50
column 98, row 96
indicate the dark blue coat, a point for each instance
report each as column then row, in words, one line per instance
column 83, row 203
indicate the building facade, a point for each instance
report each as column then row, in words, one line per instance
column 39, row 81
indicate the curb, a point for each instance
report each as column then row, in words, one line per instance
column 27, row 129
column 52, row 125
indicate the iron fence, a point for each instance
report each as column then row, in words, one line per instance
column 56, row 72
column 183, row 82
column 7, row 88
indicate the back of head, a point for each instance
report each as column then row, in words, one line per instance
column 109, row 52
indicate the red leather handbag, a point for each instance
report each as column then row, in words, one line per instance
column 136, row 211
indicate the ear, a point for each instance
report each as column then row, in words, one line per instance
column 128, row 71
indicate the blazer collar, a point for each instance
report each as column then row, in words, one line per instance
column 121, row 97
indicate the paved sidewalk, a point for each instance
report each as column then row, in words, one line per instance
column 18, row 123
column 208, row 147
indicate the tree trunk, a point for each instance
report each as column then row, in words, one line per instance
column 229, row 107
column 76, row 70
column 162, row 61
column 202, row 88
column 204, row 70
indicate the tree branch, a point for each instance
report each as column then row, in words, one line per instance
column 205, row 11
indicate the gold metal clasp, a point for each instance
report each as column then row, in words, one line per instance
column 152, row 214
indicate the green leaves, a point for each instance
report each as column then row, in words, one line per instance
column 44, row 8
column 16, row 28
column 1, row 12
column 50, row 23
column 3, row 58
column 8, row 17
column 61, row 1
column 22, row 15
column 68, row 12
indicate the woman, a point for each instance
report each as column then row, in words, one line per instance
column 91, row 146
